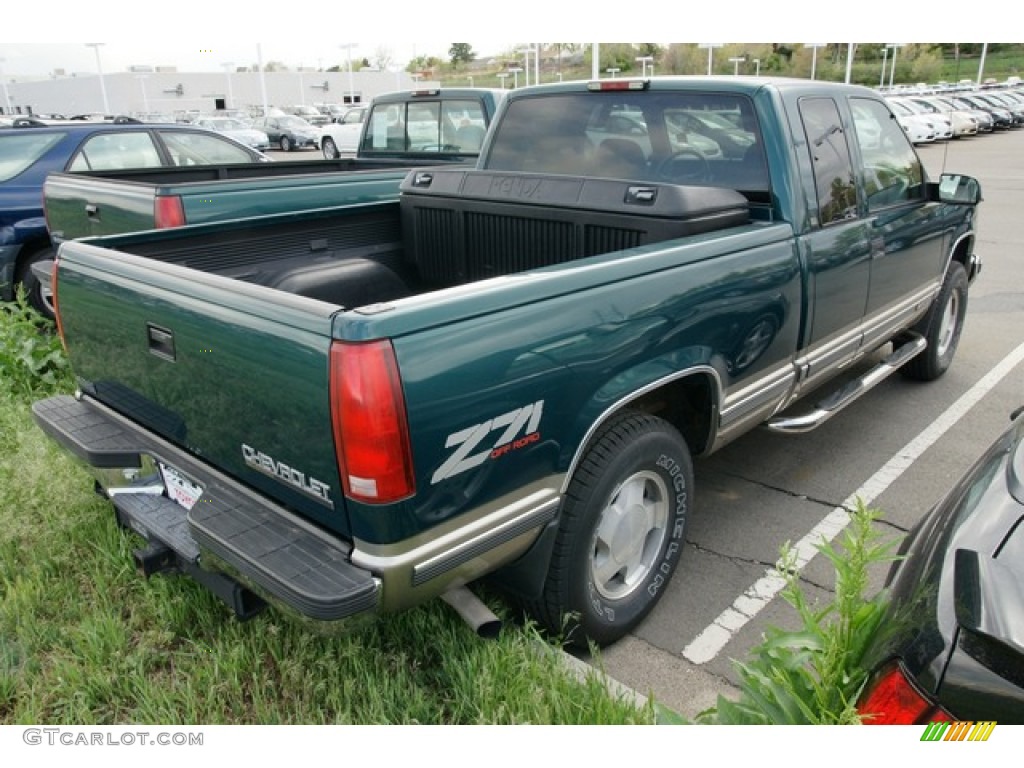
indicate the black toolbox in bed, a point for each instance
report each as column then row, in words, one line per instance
column 461, row 225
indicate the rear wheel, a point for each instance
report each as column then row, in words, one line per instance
column 620, row 533
column 941, row 327
column 286, row 144
column 38, row 297
column 330, row 151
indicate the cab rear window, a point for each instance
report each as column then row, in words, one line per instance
column 18, row 151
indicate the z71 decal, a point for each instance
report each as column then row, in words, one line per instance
column 518, row 430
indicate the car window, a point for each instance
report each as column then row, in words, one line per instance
column 893, row 174
column 830, row 157
column 112, row 151
column 354, row 116
column 19, row 150
column 189, row 148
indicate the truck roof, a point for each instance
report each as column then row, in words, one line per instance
column 448, row 93
column 725, row 83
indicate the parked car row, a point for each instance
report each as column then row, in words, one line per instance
column 940, row 115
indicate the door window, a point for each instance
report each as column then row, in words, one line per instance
column 830, row 156
column 893, row 174
column 113, row 151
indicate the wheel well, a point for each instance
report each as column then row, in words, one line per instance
column 28, row 250
column 688, row 404
column 962, row 251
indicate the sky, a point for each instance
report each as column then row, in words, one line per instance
column 40, row 59
column 202, row 35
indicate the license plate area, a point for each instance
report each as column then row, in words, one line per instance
column 180, row 488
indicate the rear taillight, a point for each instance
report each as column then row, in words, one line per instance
column 56, row 307
column 893, row 699
column 371, row 433
column 168, row 211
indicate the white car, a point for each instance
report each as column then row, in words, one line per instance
column 919, row 129
column 343, row 136
column 237, row 130
column 962, row 122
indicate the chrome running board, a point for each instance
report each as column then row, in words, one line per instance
column 834, row 403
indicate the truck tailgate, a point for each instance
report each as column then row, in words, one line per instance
column 234, row 374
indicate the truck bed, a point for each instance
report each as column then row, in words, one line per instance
column 449, row 227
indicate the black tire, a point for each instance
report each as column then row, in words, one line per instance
column 620, row 532
column 41, row 301
column 330, row 151
column 941, row 327
column 286, row 144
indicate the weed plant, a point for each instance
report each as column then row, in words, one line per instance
column 32, row 361
column 814, row 675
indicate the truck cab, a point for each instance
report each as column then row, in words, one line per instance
column 446, row 123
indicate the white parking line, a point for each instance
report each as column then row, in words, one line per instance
column 714, row 637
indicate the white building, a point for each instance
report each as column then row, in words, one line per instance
column 171, row 92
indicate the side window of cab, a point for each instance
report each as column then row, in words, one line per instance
column 834, row 179
column 893, row 173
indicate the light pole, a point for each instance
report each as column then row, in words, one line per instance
column 526, row 59
column 227, row 73
column 814, row 56
column 885, row 61
column 736, row 64
column 644, row 61
column 7, row 94
column 351, row 89
column 99, row 68
column 142, row 85
column 892, row 72
column 711, row 49
column 981, row 64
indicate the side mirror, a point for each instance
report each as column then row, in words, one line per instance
column 959, row 190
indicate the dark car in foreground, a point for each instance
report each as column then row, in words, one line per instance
column 953, row 648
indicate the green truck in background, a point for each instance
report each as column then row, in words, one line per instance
column 507, row 371
column 93, row 203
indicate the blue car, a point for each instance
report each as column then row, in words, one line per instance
column 31, row 148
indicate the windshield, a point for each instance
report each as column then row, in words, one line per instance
column 18, row 151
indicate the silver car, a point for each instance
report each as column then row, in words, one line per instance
column 237, row 130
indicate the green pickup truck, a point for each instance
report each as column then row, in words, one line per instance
column 507, row 372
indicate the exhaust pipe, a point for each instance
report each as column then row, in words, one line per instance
column 473, row 611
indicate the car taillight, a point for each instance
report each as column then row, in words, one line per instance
column 895, row 700
column 56, row 307
column 371, row 433
column 168, row 211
